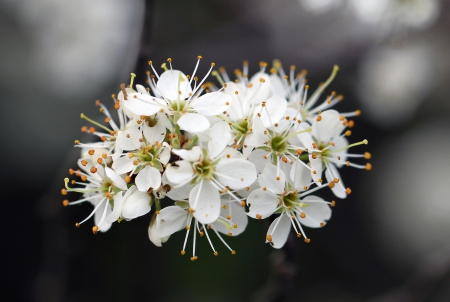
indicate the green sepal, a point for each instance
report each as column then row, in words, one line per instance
column 191, row 143
column 176, row 143
column 157, row 164
column 182, row 204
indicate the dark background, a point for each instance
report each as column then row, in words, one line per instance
column 386, row 242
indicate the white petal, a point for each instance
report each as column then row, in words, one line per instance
column 237, row 173
column 262, row 203
column 116, row 179
column 339, row 157
column 152, row 232
column 129, row 139
column 273, row 111
column 269, row 179
column 154, row 134
column 339, row 189
column 279, row 230
column 212, row 103
column 300, row 176
column 189, row 155
column 205, row 200
column 143, row 104
column 317, row 166
column 180, row 173
column 220, row 136
column 141, row 89
column 147, row 178
column 324, row 129
column 170, row 220
column 105, row 226
column 229, row 152
column 173, row 85
column 259, row 133
column 117, row 210
column 317, row 212
column 259, row 91
column 305, row 138
column 137, row 204
column 238, row 218
column 277, row 86
column 123, row 165
column 257, row 158
column 193, row 122
column 164, row 156
column 238, row 109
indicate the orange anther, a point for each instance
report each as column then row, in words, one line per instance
column 95, row 229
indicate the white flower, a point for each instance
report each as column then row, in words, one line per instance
column 130, row 204
column 99, row 186
column 210, row 173
column 279, row 195
column 148, row 159
column 328, row 151
column 232, row 222
column 180, row 101
column 152, row 233
column 294, row 88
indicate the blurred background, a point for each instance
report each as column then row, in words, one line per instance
column 388, row 241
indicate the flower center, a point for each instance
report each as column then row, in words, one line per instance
column 149, row 155
column 205, row 169
column 278, row 144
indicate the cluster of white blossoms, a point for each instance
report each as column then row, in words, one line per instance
column 206, row 158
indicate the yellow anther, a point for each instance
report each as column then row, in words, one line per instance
column 95, row 229
column 367, row 155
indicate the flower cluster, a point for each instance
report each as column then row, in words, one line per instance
column 207, row 157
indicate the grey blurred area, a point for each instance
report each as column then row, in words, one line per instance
column 388, row 241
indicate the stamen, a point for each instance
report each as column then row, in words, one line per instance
column 95, row 123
